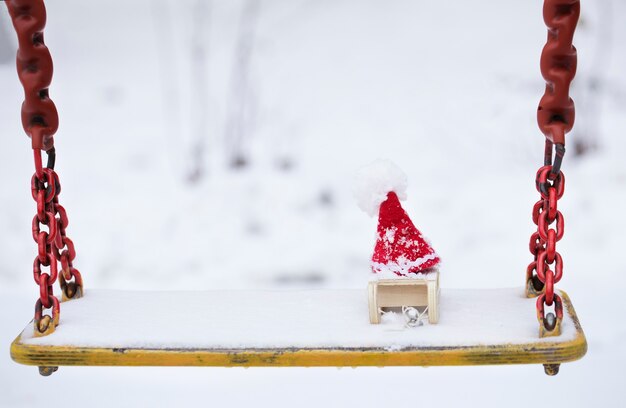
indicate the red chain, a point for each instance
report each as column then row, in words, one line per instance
column 40, row 122
column 555, row 116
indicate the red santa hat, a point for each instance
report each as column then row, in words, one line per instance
column 401, row 249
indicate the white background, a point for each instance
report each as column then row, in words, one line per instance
column 448, row 90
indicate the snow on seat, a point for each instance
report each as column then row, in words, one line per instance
column 294, row 328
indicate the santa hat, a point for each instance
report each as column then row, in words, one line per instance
column 400, row 249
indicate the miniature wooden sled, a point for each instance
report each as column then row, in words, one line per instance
column 294, row 328
column 395, row 293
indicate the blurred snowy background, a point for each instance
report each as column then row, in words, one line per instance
column 212, row 144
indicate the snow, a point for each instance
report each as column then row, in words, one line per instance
column 374, row 181
column 388, row 271
column 447, row 90
column 401, row 266
column 324, row 318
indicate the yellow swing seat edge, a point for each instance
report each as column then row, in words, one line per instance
column 494, row 354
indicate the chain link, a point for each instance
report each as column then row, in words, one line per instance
column 555, row 116
column 44, row 190
column 40, row 121
column 34, row 67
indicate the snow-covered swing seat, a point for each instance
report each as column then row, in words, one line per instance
column 270, row 328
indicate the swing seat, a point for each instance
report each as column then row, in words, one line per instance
column 295, row 328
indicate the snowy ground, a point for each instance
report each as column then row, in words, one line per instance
column 448, row 91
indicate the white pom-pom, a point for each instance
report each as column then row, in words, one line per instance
column 374, row 181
